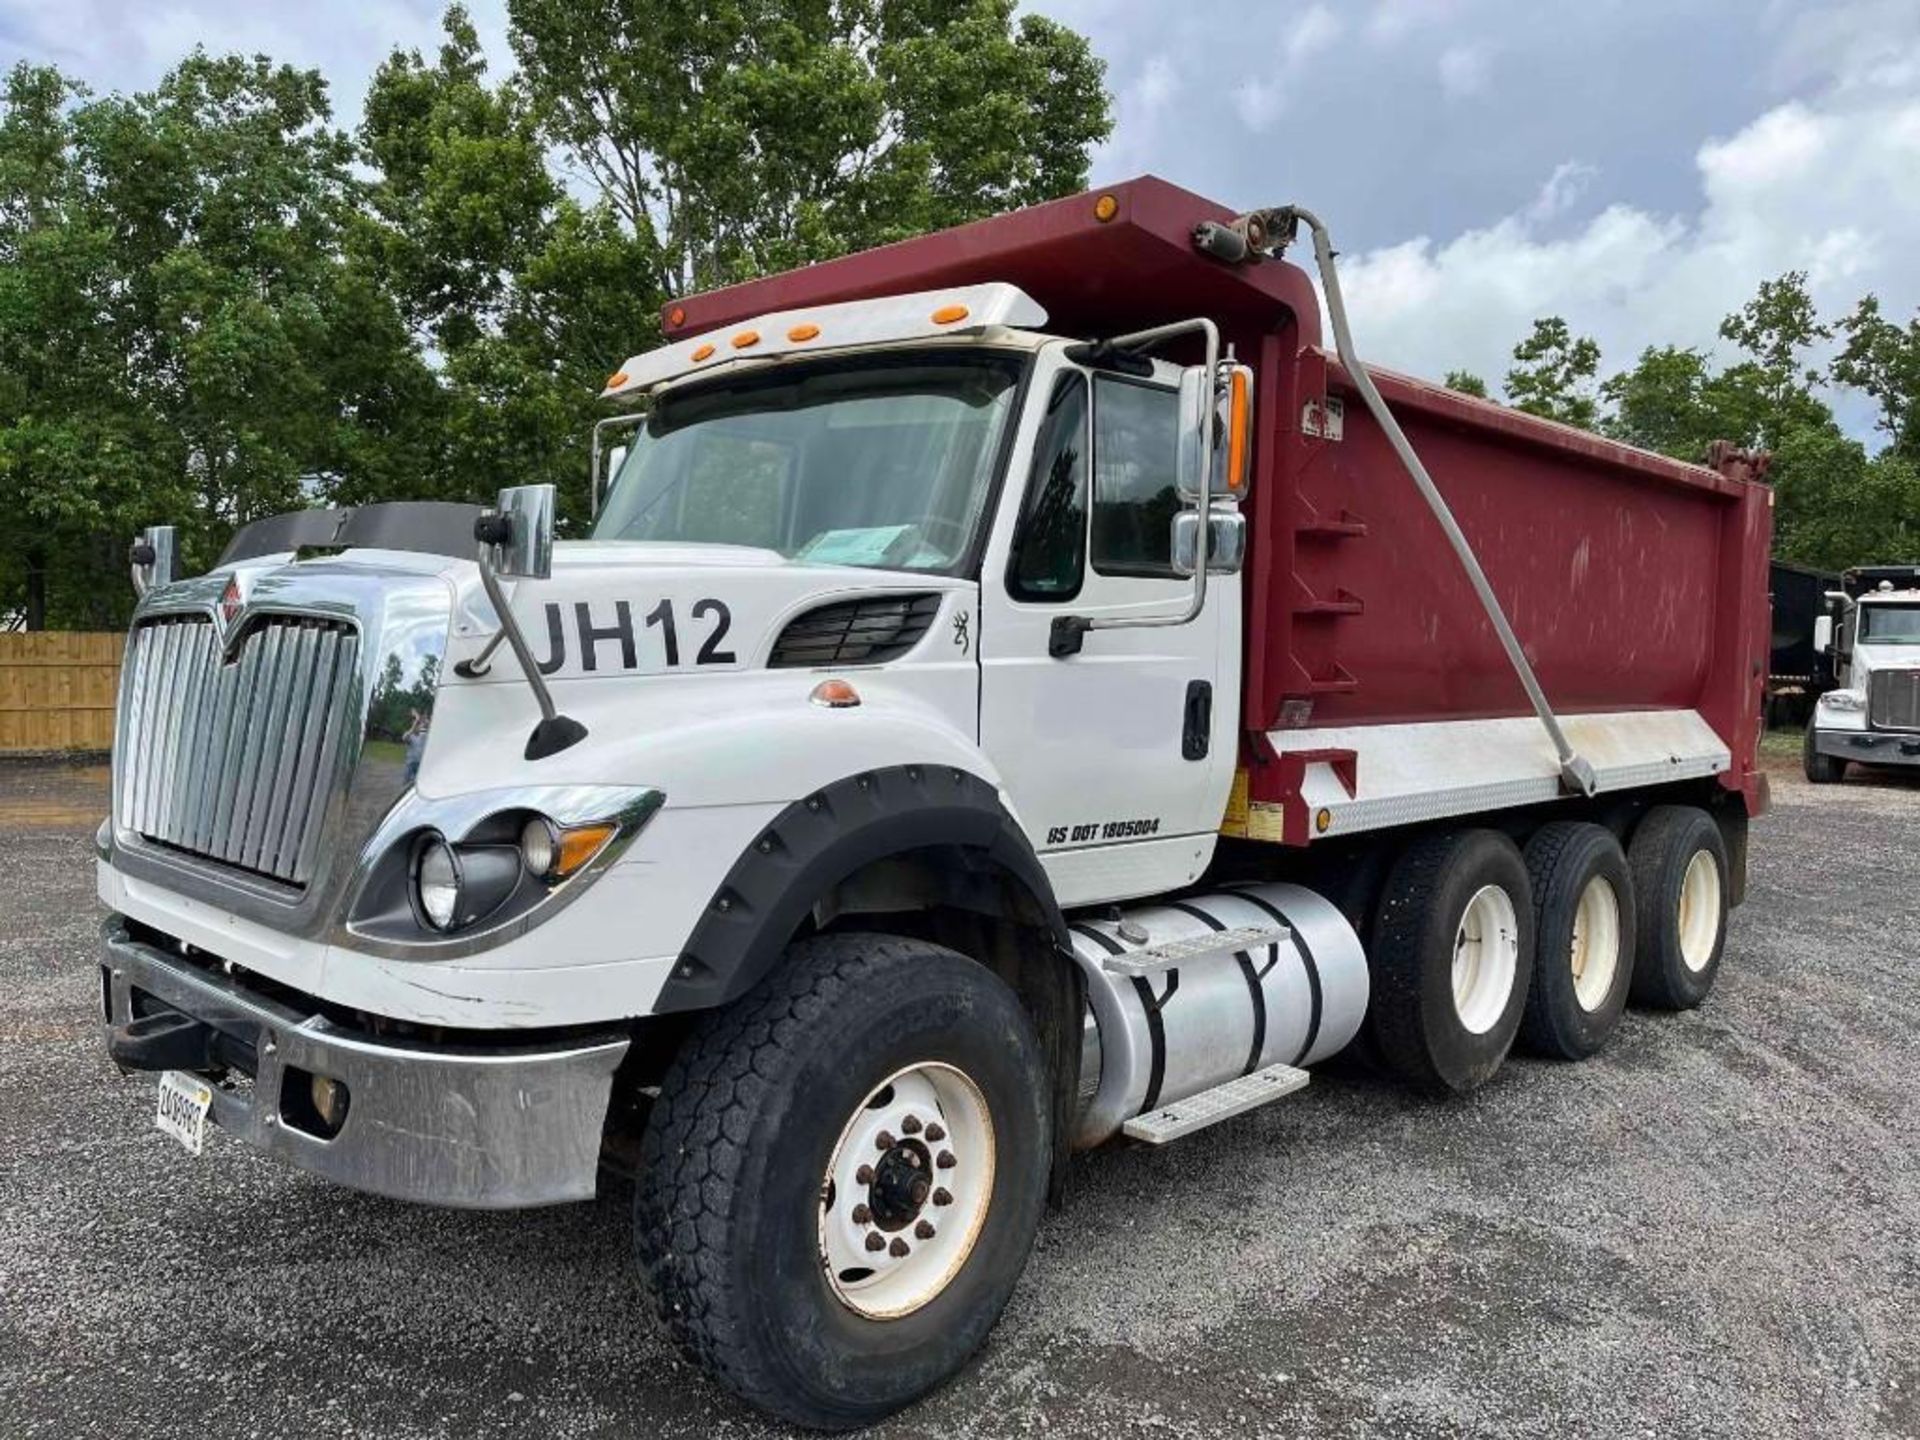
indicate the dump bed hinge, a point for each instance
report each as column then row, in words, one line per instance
column 1209, row 1107
column 1194, row 948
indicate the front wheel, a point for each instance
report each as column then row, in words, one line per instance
column 843, row 1176
column 1821, row 769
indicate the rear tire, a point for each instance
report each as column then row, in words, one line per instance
column 1584, row 937
column 765, row 1180
column 1453, row 954
column 1680, row 884
column 1821, row 769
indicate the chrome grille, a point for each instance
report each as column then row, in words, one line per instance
column 230, row 761
column 1893, row 700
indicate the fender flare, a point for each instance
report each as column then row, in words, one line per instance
column 821, row 840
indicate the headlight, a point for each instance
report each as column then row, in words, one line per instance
column 436, row 881
column 538, row 850
column 1844, row 700
column 457, row 886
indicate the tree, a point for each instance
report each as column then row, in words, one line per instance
column 1883, row 359
column 1775, row 329
column 1553, row 374
column 1466, row 382
column 745, row 136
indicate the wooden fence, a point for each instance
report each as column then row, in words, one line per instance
column 57, row 690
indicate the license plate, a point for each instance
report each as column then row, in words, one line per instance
column 183, row 1108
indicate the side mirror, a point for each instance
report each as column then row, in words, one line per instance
column 521, row 544
column 1822, row 634
column 152, row 558
column 1226, row 542
column 1196, row 414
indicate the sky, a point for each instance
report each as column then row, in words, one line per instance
column 1636, row 166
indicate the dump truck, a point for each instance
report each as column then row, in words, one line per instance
column 1871, row 715
column 1018, row 689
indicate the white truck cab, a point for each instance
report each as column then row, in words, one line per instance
column 1872, row 715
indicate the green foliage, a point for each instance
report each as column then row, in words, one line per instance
column 1553, row 374
column 215, row 305
column 1883, row 359
column 1466, row 382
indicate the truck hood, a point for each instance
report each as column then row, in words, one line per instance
column 1868, row 658
column 619, row 608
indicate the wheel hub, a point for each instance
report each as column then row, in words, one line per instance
column 901, row 1187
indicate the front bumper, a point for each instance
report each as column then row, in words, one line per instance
column 494, row 1128
column 1869, row 747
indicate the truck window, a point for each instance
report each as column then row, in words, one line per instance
column 1890, row 624
column 1135, row 465
column 1050, row 549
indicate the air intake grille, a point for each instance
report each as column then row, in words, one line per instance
column 231, row 762
column 855, row 632
column 1893, row 700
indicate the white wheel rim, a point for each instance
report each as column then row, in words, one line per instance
column 906, row 1190
column 1486, row 957
column 1699, row 911
column 1596, row 943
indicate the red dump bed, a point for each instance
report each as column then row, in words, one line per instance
column 1635, row 582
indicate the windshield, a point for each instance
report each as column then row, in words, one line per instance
column 1890, row 624
column 882, row 463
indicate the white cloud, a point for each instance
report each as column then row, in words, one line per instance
column 1257, row 103
column 1316, row 30
column 1824, row 185
column 1465, row 70
column 1393, row 20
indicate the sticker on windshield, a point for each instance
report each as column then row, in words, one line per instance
column 865, row 546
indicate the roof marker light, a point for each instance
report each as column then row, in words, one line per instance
column 616, row 380
column 705, row 352
column 745, row 339
column 677, row 316
column 803, row 332
column 950, row 314
column 1105, row 208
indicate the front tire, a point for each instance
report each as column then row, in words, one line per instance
column 1453, row 953
column 759, row 1203
column 1821, row 769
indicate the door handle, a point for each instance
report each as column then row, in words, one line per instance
column 1196, row 733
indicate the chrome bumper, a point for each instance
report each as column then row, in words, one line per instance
column 487, row 1129
column 1869, row 747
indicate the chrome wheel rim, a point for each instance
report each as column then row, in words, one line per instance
column 1596, row 943
column 1699, row 911
column 1486, row 958
column 906, row 1190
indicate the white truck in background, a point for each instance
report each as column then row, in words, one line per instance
column 1872, row 715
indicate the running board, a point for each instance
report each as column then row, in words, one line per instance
column 1195, row 948
column 1223, row 1102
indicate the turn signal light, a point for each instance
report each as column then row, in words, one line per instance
column 578, row 845
column 949, row 314
column 1239, row 430
column 835, row 695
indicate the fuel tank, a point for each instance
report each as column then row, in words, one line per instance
column 1156, row 1039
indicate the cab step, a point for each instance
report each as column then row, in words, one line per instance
column 1196, row 1112
column 1195, row 948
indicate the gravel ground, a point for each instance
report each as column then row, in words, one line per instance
column 1713, row 1229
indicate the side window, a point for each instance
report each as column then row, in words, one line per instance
column 1135, row 469
column 1049, row 549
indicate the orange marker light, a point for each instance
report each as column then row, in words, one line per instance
column 745, row 339
column 1239, row 431
column 616, row 380
column 705, row 352
column 677, row 317
column 578, row 845
column 803, row 332
column 835, row 695
column 1105, row 208
column 949, row 314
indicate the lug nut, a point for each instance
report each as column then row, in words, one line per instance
column 864, row 1175
column 943, row 1196
column 946, row 1160
column 884, row 1140
column 899, row 1249
column 913, row 1158
column 935, row 1133
column 876, row 1242
column 911, row 1124
column 924, row 1230
column 861, row 1214
column 919, row 1192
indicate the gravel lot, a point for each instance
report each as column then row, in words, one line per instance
column 1713, row 1229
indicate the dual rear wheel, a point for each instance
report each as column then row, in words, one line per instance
column 1479, row 945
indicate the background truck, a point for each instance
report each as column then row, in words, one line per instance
column 1018, row 690
column 1801, row 669
column 1872, row 715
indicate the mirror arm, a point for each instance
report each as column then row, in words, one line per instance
column 555, row 732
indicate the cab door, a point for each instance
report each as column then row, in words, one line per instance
column 1117, row 759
